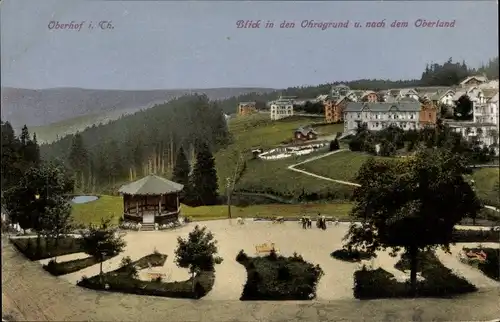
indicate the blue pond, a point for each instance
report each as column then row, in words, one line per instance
column 84, row 199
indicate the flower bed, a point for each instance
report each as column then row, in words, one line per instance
column 275, row 277
column 125, row 280
column 490, row 266
column 63, row 268
column 285, row 152
column 438, row 281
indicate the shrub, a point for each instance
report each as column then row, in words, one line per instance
column 439, row 281
column 128, row 267
column 275, row 277
column 66, row 245
column 352, row 255
column 241, row 257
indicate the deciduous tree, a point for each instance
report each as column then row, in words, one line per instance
column 102, row 242
column 39, row 193
column 412, row 204
column 198, row 252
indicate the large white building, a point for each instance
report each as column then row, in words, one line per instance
column 378, row 116
column 281, row 109
column 486, row 111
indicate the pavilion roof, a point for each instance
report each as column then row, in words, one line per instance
column 151, row 185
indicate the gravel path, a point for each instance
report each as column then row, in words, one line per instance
column 30, row 294
column 474, row 276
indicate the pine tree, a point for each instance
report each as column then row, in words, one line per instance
column 33, row 151
column 181, row 169
column 204, row 184
column 79, row 160
column 11, row 171
column 25, row 136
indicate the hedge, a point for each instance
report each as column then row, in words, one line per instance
column 275, row 277
column 120, row 280
column 439, row 281
column 350, row 255
column 66, row 245
column 475, row 236
column 63, row 268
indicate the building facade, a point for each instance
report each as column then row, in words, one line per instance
column 281, row 109
column 247, row 108
column 334, row 109
column 487, row 111
column 378, row 116
column 474, row 81
column 151, row 200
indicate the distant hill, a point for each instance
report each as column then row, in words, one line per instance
column 42, row 107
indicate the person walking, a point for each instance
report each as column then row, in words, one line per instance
column 323, row 222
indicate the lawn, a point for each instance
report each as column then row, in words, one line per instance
column 112, row 208
column 274, row 178
column 486, row 181
column 338, row 210
column 106, row 207
column 340, row 166
column 258, row 131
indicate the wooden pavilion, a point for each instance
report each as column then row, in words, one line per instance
column 151, row 200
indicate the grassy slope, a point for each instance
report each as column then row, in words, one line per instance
column 340, row 166
column 111, row 207
column 259, row 131
column 344, row 166
column 486, row 179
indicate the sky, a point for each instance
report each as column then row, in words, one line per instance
column 172, row 45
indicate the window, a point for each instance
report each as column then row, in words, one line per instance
column 376, row 124
column 359, row 115
column 430, row 115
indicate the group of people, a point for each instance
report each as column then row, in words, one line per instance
column 307, row 222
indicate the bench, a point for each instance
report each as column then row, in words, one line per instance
column 278, row 220
column 265, row 248
column 154, row 276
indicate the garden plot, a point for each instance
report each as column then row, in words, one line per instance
column 286, row 152
column 313, row 244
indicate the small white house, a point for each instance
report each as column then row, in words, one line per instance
column 281, row 109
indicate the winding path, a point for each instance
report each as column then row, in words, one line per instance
column 293, row 167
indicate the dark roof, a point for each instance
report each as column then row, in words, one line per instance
column 305, row 131
column 151, row 185
column 383, row 107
